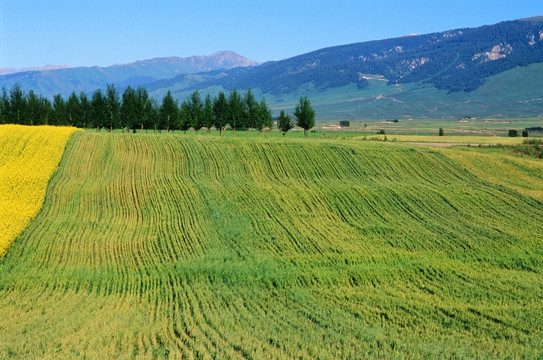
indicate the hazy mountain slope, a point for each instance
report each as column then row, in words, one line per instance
column 88, row 79
column 512, row 93
column 487, row 71
column 7, row 71
column 453, row 60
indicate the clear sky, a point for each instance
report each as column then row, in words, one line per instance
column 105, row 32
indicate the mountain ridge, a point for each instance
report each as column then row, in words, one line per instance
column 8, row 71
column 49, row 82
column 430, row 68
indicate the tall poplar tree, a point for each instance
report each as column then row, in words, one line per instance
column 4, row 107
column 74, row 109
column 196, row 109
column 128, row 111
column 59, row 115
column 17, row 108
column 151, row 114
column 220, row 112
column 184, row 117
column 265, row 119
column 169, row 112
column 305, row 115
column 85, row 108
column 251, row 111
column 38, row 109
column 33, row 109
column 235, row 110
column 113, row 105
column 47, row 109
column 142, row 107
column 98, row 110
column 207, row 114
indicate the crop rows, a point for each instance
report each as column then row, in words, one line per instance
column 28, row 158
column 207, row 247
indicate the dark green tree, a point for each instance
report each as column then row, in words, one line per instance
column 284, row 122
column 85, row 109
column 47, row 109
column 441, row 132
column 207, row 114
column 59, row 115
column 38, row 109
column 265, row 116
column 4, row 107
column 184, row 117
column 513, row 133
column 196, row 110
column 142, row 107
column 98, row 110
column 151, row 115
column 74, row 109
column 220, row 112
column 113, row 104
column 235, row 110
column 33, row 109
column 169, row 112
column 251, row 113
column 17, row 107
column 305, row 115
column 128, row 111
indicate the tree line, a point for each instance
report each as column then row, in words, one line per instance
column 135, row 110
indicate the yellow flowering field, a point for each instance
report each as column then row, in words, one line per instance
column 29, row 155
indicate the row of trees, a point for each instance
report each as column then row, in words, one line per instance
column 135, row 109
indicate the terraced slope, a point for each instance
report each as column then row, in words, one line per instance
column 161, row 246
column 28, row 158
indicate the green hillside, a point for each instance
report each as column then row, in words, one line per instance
column 489, row 71
column 157, row 246
column 512, row 93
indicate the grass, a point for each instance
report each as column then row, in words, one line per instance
column 157, row 246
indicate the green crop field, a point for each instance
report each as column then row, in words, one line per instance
column 171, row 245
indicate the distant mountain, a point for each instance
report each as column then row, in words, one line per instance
column 7, row 71
column 458, row 61
column 49, row 82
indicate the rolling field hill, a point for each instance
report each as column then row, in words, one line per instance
column 157, row 246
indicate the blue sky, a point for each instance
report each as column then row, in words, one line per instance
column 104, row 32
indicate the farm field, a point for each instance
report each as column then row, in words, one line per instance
column 162, row 246
column 464, row 128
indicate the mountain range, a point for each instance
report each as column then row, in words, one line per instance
column 489, row 71
column 52, row 80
